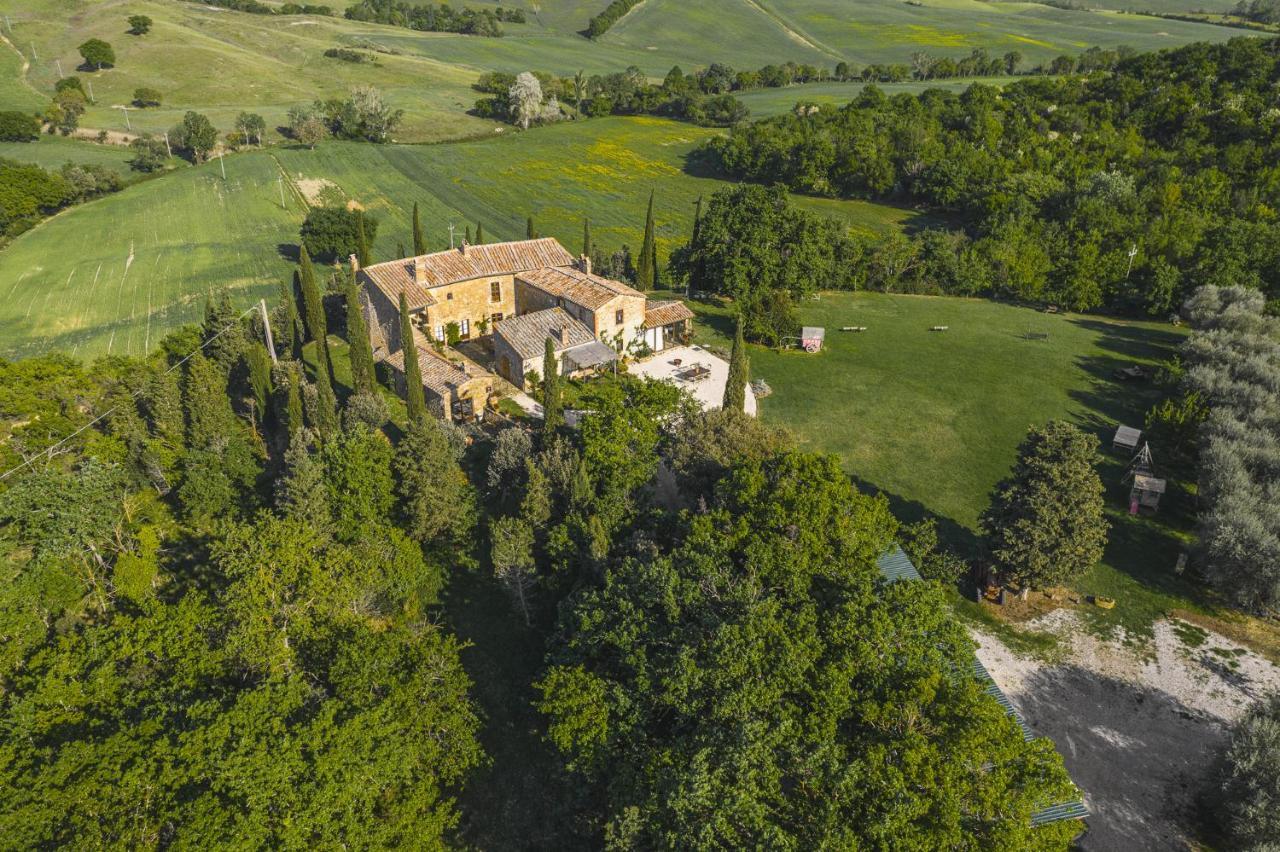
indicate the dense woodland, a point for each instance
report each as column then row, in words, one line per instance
column 1123, row 190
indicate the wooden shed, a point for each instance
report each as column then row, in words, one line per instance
column 1126, row 439
column 1145, row 493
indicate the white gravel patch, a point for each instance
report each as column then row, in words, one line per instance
column 1138, row 726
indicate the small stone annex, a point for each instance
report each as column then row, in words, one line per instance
column 517, row 294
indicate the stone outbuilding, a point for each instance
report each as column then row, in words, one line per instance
column 519, row 346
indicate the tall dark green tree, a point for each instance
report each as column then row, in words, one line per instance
column 735, row 389
column 552, row 403
column 646, row 265
column 414, row 396
column 325, row 411
column 697, row 269
column 361, row 348
column 419, row 241
column 479, row 233
column 436, row 498
column 313, row 308
column 288, row 400
column 1045, row 523
column 258, row 364
column 223, row 331
column 529, row 231
column 363, row 253
column 290, row 334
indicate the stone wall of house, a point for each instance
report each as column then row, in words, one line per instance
column 382, row 317
column 607, row 327
column 529, row 298
column 510, row 365
column 470, row 302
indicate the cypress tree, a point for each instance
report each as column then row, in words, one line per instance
column 529, row 232
column 735, row 389
column 224, row 331
column 552, row 407
column 288, row 400
column 468, row 237
column 302, row 492
column 479, row 233
column 362, row 242
column 361, row 350
column 210, row 420
column 646, row 273
column 586, row 237
column 698, row 267
column 326, row 421
column 419, row 242
column 400, row 250
column 290, row 323
column 414, row 396
column 258, row 363
column 313, row 306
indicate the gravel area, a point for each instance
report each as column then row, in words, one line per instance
column 1138, row 725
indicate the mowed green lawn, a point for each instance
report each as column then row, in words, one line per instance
column 933, row 419
column 64, row 284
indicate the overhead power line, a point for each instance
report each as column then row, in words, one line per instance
column 48, row 451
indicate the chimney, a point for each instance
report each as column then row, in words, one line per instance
column 463, row 248
column 562, row 334
column 420, row 271
column 584, row 263
column 355, row 264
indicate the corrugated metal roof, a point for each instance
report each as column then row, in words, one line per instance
column 896, row 566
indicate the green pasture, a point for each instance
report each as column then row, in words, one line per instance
column 113, row 275
column 222, row 62
column 64, row 285
column 50, row 152
column 933, row 419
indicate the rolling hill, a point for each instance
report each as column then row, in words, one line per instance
column 221, row 62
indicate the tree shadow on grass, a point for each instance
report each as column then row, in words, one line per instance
column 1133, row 341
column 1140, row 755
column 959, row 538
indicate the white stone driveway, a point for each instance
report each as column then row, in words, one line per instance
column 709, row 391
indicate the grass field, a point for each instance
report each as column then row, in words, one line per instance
column 933, row 421
column 221, row 62
column 64, row 285
column 50, row 152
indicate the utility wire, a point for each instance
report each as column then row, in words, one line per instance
column 50, row 449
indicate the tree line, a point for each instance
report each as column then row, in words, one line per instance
column 29, row 193
column 436, row 19
column 1123, row 190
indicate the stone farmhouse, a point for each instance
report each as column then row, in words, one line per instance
column 518, row 294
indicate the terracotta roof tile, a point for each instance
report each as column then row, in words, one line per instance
column 567, row 282
column 665, row 313
column 527, row 334
column 438, row 372
column 463, row 264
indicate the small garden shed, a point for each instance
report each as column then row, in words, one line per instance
column 1126, row 439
